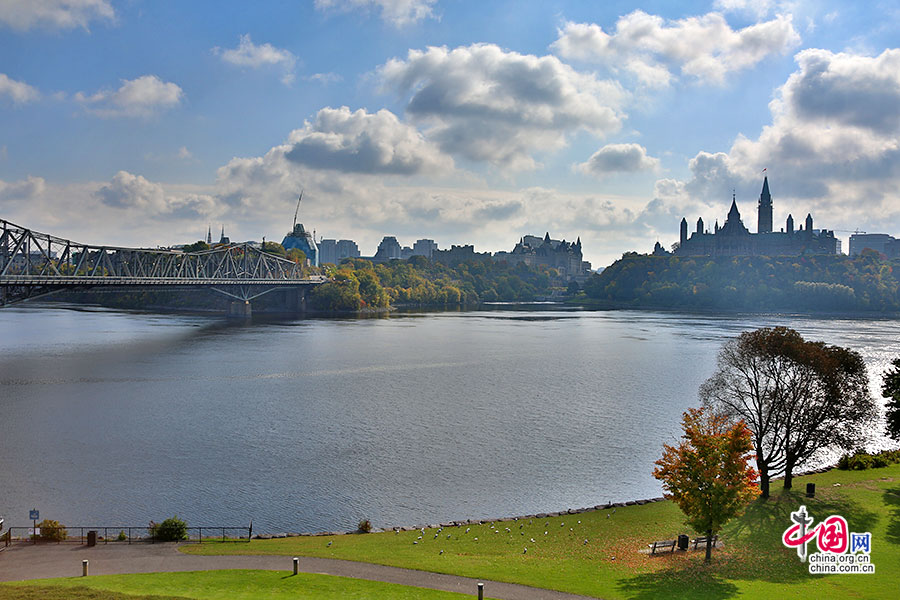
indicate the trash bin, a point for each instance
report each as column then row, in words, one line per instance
column 810, row 490
column 92, row 538
column 683, row 542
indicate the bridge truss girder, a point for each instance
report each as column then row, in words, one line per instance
column 35, row 264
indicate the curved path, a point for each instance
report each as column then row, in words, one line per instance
column 27, row 561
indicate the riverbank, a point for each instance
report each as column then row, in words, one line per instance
column 599, row 553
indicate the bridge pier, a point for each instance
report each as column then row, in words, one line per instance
column 239, row 309
column 295, row 300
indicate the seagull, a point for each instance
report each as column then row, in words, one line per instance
column 579, row 522
column 415, row 542
column 419, row 538
column 441, row 552
column 532, row 540
column 545, row 533
column 448, row 536
column 585, row 543
column 329, row 543
column 525, row 551
column 467, row 530
column 476, row 539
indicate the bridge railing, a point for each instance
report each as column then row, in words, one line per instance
column 24, row 252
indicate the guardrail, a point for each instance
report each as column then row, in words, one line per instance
column 120, row 535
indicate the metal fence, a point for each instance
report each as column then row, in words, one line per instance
column 119, row 535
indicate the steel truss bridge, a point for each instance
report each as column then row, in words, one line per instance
column 34, row 264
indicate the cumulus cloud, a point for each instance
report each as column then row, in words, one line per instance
column 649, row 47
column 618, row 158
column 396, row 12
column 18, row 91
column 24, row 189
column 254, row 56
column 54, row 14
column 361, row 142
column 141, row 97
column 488, row 104
column 832, row 147
column 128, row 191
column 756, row 8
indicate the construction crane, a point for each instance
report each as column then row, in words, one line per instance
column 855, row 231
column 296, row 212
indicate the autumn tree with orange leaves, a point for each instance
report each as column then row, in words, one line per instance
column 707, row 475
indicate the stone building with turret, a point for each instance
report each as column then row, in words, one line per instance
column 734, row 239
column 561, row 255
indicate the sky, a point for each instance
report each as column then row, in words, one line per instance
column 143, row 123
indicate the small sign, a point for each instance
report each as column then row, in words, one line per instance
column 34, row 531
column 34, row 514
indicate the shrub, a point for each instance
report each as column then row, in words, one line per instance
column 52, row 531
column 365, row 526
column 172, row 529
column 122, row 537
column 862, row 460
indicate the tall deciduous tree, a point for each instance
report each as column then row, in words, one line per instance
column 707, row 475
column 747, row 386
column 890, row 388
column 798, row 398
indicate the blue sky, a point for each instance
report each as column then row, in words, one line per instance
column 142, row 123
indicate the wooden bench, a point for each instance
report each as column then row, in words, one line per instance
column 701, row 541
column 663, row 545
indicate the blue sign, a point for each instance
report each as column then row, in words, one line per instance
column 34, row 514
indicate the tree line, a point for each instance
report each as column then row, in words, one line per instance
column 867, row 282
column 358, row 284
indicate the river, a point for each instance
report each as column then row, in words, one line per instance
column 116, row 418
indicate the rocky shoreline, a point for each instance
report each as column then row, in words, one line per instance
column 543, row 515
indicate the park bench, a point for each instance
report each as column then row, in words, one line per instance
column 663, row 545
column 701, row 541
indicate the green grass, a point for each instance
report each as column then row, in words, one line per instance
column 201, row 585
column 753, row 562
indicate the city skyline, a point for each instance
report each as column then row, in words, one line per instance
column 139, row 123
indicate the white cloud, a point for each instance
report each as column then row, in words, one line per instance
column 832, row 148
column 618, row 158
column 141, row 97
column 23, row 189
column 396, row 12
column 360, row 142
column 54, row 14
column 18, row 91
column 488, row 104
column 649, row 47
column 134, row 192
column 324, row 78
column 248, row 54
column 756, row 8
column 184, row 153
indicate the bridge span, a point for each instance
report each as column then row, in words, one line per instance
column 34, row 264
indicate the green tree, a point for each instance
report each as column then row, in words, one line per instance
column 798, row 398
column 274, row 248
column 890, row 389
column 297, row 255
column 707, row 475
column 198, row 246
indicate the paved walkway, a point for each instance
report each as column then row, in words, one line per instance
column 27, row 561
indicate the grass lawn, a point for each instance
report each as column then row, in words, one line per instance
column 753, row 561
column 237, row 584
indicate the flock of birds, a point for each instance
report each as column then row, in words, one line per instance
column 496, row 530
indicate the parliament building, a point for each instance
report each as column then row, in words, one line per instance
column 733, row 238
